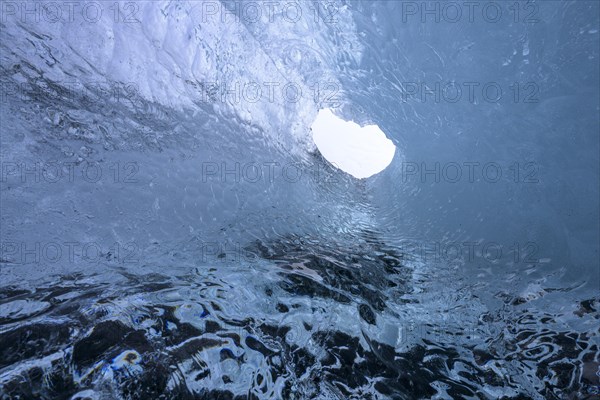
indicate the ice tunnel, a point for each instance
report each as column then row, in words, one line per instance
column 342, row 199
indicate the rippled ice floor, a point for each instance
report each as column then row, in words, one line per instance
column 298, row 318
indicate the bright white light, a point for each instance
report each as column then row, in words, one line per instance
column 361, row 151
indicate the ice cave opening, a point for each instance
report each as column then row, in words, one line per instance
column 361, row 151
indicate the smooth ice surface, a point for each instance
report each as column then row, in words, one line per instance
column 361, row 151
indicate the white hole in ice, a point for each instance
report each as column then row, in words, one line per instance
column 360, row 151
